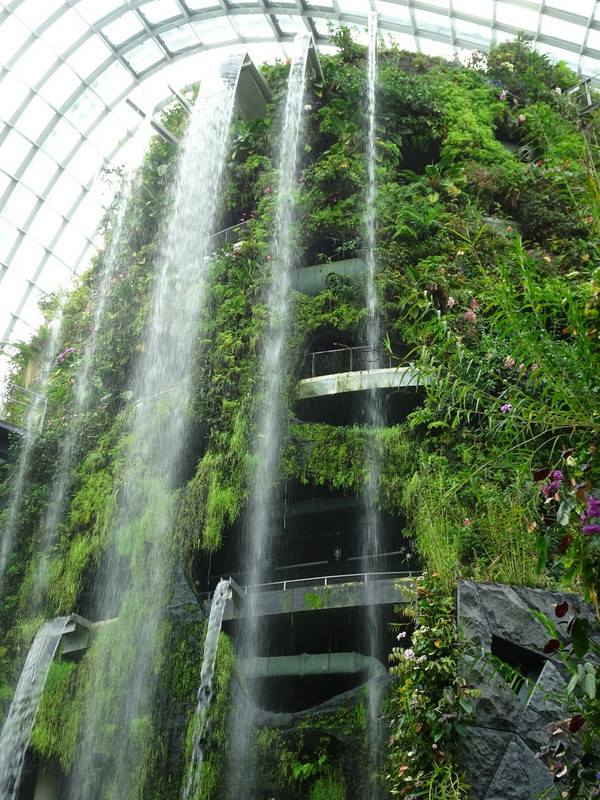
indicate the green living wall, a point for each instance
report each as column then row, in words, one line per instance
column 493, row 472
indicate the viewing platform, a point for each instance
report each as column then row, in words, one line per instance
column 317, row 594
column 363, row 380
column 21, row 410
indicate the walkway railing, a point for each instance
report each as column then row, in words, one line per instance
column 22, row 407
column 347, row 359
column 586, row 94
column 325, row 580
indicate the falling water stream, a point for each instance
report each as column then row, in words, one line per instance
column 371, row 532
column 14, row 738
column 141, row 555
column 10, row 517
column 67, row 455
column 263, row 496
column 205, row 692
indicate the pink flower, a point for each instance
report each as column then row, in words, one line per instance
column 466, row 522
column 521, row 117
column 502, row 95
column 473, row 304
column 509, row 362
column 442, row 271
column 451, row 302
column 470, row 316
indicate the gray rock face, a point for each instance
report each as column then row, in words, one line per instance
column 498, row 753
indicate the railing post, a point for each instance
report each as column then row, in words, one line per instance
column 351, row 352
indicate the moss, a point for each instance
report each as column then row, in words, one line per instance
column 54, row 735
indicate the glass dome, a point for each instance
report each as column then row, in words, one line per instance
column 75, row 75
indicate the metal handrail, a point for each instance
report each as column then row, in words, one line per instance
column 583, row 90
column 32, row 401
column 347, row 359
column 324, row 580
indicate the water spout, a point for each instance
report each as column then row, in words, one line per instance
column 205, row 692
column 14, row 738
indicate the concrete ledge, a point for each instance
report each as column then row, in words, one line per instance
column 389, row 378
column 299, row 599
column 312, row 664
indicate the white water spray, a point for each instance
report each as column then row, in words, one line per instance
column 205, row 692
column 14, row 738
column 263, row 492
column 371, row 538
column 141, row 555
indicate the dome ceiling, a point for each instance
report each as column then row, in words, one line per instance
column 75, row 74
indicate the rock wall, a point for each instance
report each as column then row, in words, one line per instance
column 511, row 725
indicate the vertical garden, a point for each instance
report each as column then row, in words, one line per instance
column 487, row 221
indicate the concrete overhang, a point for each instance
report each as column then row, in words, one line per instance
column 389, row 378
column 318, row 597
column 314, row 279
column 308, row 664
column 76, row 635
column 253, row 93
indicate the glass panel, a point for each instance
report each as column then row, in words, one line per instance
column 144, row 56
column 64, row 193
column 108, row 134
column 34, row 13
column 87, row 216
column 404, row 40
column 32, row 316
column 45, row 225
column 27, row 258
column 478, row 8
column 39, row 173
column 19, row 205
column 65, row 31
column 433, row 48
column 395, row 13
column 160, row 10
column 35, row 118
column 12, row 35
column 217, row 30
column 437, row 4
column 61, row 140
column 202, row 5
column 582, row 7
column 35, row 63
column 112, row 82
column 477, row 34
column 556, row 54
column 525, row 19
column 23, row 330
column 126, row 27
column 86, row 163
column 54, row 275
column 8, row 236
column 5, row 182
column 589, row 66
column 69, row 247
column 13, row 151
column 356, row 6
column 560, row 29
column 12, row 93
column 60, row 86
column 92, row 10
column 85, row 110
column 252, row 26
column 180, row 38
column 13, row 285
column 435, row 23
column 289, row 24
column 87, row 58
column 593, row 41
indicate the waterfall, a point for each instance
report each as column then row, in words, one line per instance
column 10, row 518
column 67, row 454
column 263, row 496
column 371, row 534
column 141, row 554
column 205, row 692
column 14, row 738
